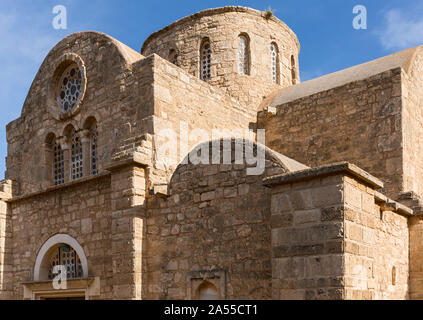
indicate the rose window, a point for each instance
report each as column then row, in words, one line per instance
column 69, row 88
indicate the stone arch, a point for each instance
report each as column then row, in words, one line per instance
column 65, row 61
column 58, row 55
column 173, row 56
column 68, row 128
column 50, row 137
column 219, row 209
column 40, row 269
column 88, row 122
column 49, row 150
column 279, row 160
column 90, row 145
column 89, row 117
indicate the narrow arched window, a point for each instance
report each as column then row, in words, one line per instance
column 205, row 58
column 274, row 63
column 76, row 157
column 394, row 276
column 293, row 70
column 173, row 56
column 94, row 152
column 58, row 164
column 243, row 55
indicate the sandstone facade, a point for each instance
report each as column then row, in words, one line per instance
column 112, row 170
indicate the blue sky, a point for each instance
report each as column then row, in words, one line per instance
column 324, row 28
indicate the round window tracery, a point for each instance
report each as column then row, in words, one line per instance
column 69, row 88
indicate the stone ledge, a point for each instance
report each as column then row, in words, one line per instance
column 391, row 205
column 6, row 187
column 128, row 160
column 48, row 284
column 60, row 186
column 159, row 190
column 322, row 171
column 89, row 286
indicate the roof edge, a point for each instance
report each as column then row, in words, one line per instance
column 401, row 60
column 325, row 170
column 212, row 11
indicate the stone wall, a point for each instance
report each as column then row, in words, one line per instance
column 307, row 240
column 358, row 122
column 335, row 237
column 376, row 245
column 113, row 97
column 128, row 185
column 412, row 122
column 82, row 211
column 416, row 257
column 222, row 26
column 6, row 275
column 187, row 104
column 214, row 225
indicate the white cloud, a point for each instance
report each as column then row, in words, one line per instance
column 402, row 29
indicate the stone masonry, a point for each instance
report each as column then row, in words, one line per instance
column 115, row 171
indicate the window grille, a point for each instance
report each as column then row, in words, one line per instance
column 69, row 88
column 274, row 63
column 59, row 165
column 67, row 257
column 94, row 164
column 206, row 61
column 76, row 158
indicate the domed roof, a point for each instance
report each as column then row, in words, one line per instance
column 213, row 11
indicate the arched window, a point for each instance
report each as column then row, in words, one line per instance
column 65, row 256
column 207, row 291
column 60, row 249
column 58, row 164
column 94, row 135
column 77, row 164
column 243, row 55
column 394, row 276
column 274, row 63
column 173, row 56
column 205, row 60
column 293, row 70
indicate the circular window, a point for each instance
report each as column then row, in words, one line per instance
column 69, row 88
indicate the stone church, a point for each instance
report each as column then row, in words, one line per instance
column 335, row 212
